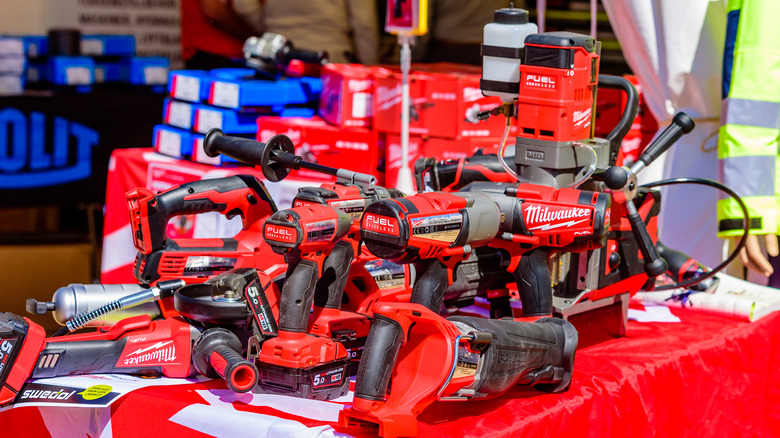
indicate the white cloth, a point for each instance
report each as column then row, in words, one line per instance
column 676, row 50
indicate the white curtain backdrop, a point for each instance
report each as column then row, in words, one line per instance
column 675, row 48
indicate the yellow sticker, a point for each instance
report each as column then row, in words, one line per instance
column 95, row 392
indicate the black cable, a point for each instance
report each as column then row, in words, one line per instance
column 60, row 332
column 740, row 245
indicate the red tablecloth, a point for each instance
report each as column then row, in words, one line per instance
column 131, row 168
column 706, row 376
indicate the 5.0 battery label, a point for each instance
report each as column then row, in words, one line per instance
column 444, row 228
column 325, row 379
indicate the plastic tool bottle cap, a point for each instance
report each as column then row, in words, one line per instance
column 510, row 16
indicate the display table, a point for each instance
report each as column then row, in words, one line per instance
column 705, row 376
column 141, row 167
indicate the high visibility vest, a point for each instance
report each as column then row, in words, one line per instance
column 749, row 136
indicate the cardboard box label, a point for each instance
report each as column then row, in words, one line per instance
column 186, row 88
column 169, row 143
column 224, row 94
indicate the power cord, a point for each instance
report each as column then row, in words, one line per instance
column 740, row 245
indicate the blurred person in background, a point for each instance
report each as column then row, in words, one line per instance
column 213, row 31
column 456, row 28
column 347, row 29
column 749, row 136
column 454, row 31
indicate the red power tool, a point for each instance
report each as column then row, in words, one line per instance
column 135, row 345
column 438, row 231
column 346, row 266
column 351, row 278
column 452, row 175
column 140, row 345
column 430, row 358
column 295, row 362
column 192, row 260
column 196, row 260
column 555, row 147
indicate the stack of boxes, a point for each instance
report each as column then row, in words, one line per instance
column 14, row 55
column 228, row 99
column 445, row 100
column 116, row 63
column 30, row 62
column 360, row 118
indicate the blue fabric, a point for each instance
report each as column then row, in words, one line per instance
column 732, row 24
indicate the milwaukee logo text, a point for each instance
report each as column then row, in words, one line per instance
column 554, row 217
column 161, row 352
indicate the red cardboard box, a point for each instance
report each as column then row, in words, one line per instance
column 634, row 144
column 315, row 140
column 442, row 105
column 644, row 120
column 393, row 156
column 609, row 107
column 348, row 94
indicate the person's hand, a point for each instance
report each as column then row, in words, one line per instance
column 752, row 257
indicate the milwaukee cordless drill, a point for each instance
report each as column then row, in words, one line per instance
column 296, row 362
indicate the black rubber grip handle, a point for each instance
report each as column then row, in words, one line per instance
column 529, row 353
column 681, row 124
column 429, row 288
column 654, row 264
column 184, row 199
column 456, row 174
column 533, row 283
column 245, row 150
column 426, row 166
column 275, row 157
column 615, row 137
column 240, row 374
column 216, row 353
column 297, row 295
column 81, row 357
column 675, row 260
column 187, row 199
column 682, row 267
column 378, row 360
column 335, row 270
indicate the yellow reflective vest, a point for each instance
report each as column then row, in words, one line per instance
column 749, row 136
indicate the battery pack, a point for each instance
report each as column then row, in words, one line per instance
column 20, row 343
column 321, row 382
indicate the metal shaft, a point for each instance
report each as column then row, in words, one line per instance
column 145, row 296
